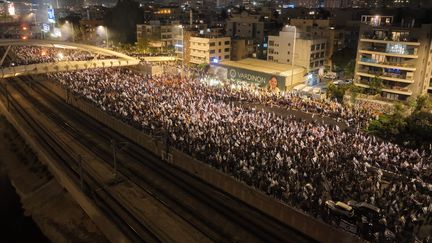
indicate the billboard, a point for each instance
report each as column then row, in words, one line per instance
column 258, row 78
column 51, row 16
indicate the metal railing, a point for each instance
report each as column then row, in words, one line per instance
column 384, row 50
column 398, row 64
column 383, row 74
column 372, row 36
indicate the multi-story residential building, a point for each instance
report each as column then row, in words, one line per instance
column 241, row 49
column 322, row 28
column 399, row 55
column 310, row 52
column 209, row 49
column 158, row 34
column 247, row 26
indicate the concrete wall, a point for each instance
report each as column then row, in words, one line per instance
column 304, row 223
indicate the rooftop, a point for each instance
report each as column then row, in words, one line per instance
column 264, row 66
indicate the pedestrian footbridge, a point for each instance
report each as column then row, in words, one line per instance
column 115, row 59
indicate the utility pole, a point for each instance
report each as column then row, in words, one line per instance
column 114, row 150
column 106, row 33
column 293, row 56
column 81, row 172
column 7, row 96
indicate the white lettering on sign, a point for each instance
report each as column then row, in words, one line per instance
column 247, row 76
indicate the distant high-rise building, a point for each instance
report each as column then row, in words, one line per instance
column 307, row 3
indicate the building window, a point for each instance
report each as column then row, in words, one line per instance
column 271, row 43
column 212, row 51
column 220, row 43
column 220, row 50
column 313, row 48
column 227, row 42
column 323, row 46
column 321, row 63
column 227, row 49
column 270, row 58
column 227, row 56
column 212, row 44
column 322, row 54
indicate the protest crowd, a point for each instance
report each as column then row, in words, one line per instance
column 303, row 163
column 27, row 55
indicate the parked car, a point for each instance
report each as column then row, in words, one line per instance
column 342, row 82
column 366, row 209
column 330, row 75
column 340, row 208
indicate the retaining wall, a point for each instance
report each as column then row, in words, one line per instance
column 304, row 223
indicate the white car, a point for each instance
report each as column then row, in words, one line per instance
column 330, row 75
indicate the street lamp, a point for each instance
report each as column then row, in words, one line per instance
column 182, row 44
column 70, row 25
column 105, row 29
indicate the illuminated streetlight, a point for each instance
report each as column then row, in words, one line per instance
column 101, row 28
column 182, row 43
column 60, row 56
column 69, row 27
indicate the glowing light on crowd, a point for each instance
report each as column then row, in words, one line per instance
column 60, row 56
column 11, row 9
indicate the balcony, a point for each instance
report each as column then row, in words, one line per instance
column 385, row 76
column 375, row 63
column 395, row 89
column 375, row 50
column 370, row 37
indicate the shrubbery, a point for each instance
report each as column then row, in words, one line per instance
column 412, row 126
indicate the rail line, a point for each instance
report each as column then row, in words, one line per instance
column 131, row 227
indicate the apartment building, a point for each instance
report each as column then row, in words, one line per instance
column 310, row 53
column 322, row 28
column 241, row 49
column 157, row 33
column 245, row 25
column 399, row 55
column 209, row 49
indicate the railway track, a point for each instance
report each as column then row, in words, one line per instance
column 215, row 214
column 132, row 227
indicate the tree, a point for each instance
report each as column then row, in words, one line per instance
column 340, row 59
column 336, row 92
column 422, row 103
column 403, row 127
column 389, row 125
column 143, row 45
column 349, row 69
column 375, row 85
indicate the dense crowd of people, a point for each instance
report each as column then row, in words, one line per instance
column 26, row 55
column 357, row 114
column 303, row 163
